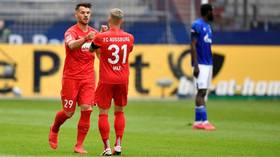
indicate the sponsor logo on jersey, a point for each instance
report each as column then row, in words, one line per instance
column 86, row 46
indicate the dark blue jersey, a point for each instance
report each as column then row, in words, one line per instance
column 203, row 33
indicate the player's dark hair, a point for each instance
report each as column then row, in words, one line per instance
column 86, row 5
column 205, row 8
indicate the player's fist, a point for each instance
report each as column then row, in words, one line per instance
column 104, row 28
column 90, row 36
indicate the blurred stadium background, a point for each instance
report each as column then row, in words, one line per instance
column 244, row 98
column 151, row 21
column 244, row 30
column 156, row 21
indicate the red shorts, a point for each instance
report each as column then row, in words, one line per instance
column 73, row 91
column 106, row 92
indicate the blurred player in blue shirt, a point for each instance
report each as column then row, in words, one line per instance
column 202, row 62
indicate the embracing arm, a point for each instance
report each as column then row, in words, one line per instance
column 74, row 44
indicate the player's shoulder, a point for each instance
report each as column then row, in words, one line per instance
column 198, row 22
column 71, row 29
column 128, row 34
column 100, row 34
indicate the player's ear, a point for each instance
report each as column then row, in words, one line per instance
column 75, row 14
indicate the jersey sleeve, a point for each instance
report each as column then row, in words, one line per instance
column 131, row 42
column 195, row 31
column 97, row 40
column 70, row 36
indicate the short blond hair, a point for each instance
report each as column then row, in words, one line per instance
column 116, row 13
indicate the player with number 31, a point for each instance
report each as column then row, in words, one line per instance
column 114, row 47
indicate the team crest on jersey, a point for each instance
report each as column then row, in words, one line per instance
column 86, row 46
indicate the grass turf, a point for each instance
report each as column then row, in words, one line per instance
column 154, row 128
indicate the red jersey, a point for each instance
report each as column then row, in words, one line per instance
column 115, row 47
column 79, row 63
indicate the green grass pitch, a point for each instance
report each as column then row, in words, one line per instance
column 153, row 129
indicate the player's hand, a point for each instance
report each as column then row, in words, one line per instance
column 90, row 36
column 196, row 71
column 104, row 28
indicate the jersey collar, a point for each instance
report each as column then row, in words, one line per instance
column 81, row 29
column 115, row 29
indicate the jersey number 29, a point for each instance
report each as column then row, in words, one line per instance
column 116, row 53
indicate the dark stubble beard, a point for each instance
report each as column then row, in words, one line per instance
column 82, row 22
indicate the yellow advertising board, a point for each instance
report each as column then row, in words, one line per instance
column 36, row 70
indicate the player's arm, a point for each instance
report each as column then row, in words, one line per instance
column 194, row 53
column 97, row 52
column 132, row 42
column 74, row 44
column 93, row 47
column 96, row 44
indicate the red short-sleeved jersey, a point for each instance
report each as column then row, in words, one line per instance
column 79, row 63
column 115, row 47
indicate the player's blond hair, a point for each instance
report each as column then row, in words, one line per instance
column 116, row 13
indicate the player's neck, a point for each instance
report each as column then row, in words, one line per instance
column 205, row 19
column 83, row 27
column 115, row 26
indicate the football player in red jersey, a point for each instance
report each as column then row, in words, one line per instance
column 114, row 47
column 78, row 82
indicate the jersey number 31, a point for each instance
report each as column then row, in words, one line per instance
column 116, row 53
